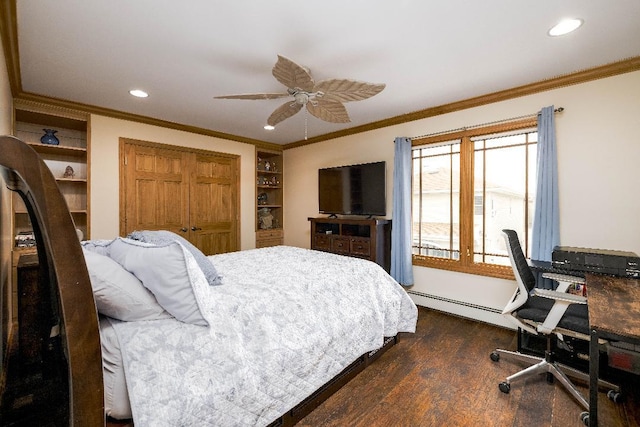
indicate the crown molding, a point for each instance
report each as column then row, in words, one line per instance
column 608, row 70
column 9, row 34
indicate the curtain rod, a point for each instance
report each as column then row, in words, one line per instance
column 557, row 110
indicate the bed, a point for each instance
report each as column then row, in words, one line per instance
column 256, row 337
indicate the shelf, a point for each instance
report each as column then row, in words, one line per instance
column 79, row 180
column 269, row 172
column 269, row 206
column 274, row 187
column 72, row 211
column 58, row 149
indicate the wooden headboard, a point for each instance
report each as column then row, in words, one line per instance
column 62, row 269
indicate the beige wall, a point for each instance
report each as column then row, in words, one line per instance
column 6, row 238
column 598, row 139
column 105, row 135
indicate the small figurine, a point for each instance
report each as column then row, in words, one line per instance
column 68, row 172
column 267, row 165
column 262, row 198
column 265, row 218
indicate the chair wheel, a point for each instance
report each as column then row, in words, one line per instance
column 614, row 396
column 504, row 387
column 584, row 417
column 494, row 356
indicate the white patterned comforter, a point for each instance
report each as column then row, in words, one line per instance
column 285, row 321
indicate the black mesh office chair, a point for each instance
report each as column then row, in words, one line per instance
column 541, row 311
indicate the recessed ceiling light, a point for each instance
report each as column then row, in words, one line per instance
column 565, row 26
column 138, row 93
column 269, row 127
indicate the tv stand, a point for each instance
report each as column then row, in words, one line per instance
column 367, row 238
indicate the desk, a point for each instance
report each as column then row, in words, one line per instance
column 614, row 314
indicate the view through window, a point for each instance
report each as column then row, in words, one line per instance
column 466, row 188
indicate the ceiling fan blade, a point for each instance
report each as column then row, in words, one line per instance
column 254, row 96
column 329, row 111
column 292, row 75
column 284, row 111
column 345, row 90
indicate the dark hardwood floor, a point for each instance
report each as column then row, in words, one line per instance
column 442, row 376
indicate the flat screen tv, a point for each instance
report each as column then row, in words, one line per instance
column 353, row 190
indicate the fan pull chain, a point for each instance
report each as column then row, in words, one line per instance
column 305, row 124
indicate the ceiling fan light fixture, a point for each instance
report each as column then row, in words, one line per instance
column 565, row 27
column 138, row 93
column 269, row 127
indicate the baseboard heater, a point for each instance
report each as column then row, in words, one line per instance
column 456, row 302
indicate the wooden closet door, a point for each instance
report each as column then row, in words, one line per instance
column 214, row 203
column 155, row 190
column 194, row 193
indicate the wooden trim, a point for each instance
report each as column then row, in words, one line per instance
column 490, row 270
column 9, row 35
column 8, row 28
column 608, row 70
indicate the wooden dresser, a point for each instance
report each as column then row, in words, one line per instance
column 361, row 238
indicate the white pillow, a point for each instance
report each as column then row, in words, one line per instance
column 170, row 272
column 118, row 293
column 116, row 396
column 164, row 237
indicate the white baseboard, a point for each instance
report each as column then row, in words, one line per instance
column 461, row 308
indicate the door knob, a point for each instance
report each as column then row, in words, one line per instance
column 194, row 228
column 184, row 229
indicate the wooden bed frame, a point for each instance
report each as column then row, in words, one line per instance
column 66, row 279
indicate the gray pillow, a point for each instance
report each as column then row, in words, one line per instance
column 169, row 272
column 99, row 246
column 118, row 293
column 163, row 237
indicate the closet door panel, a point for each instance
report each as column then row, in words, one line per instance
column 214, row 204
column 155, row 186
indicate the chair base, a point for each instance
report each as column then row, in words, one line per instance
column 556, row 370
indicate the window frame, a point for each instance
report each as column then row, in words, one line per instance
column 466, row 263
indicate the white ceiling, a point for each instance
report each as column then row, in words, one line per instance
column 186, row 52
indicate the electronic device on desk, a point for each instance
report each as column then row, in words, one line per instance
column 603, row 261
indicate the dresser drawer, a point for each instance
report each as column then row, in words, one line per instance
column 322, row 242
column 270, row 234
column 265, row 238
column 340, row 245
column 361, row 247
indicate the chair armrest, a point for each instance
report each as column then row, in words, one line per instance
column 559, row 296
column 564, row 280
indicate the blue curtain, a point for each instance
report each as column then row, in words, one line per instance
column 546, row 217
column 401, row 258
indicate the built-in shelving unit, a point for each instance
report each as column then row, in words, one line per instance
column 269, row 195
column 68, row 161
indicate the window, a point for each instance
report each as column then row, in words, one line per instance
column 468, row 186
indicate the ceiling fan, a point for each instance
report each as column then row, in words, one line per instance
column 324, row 99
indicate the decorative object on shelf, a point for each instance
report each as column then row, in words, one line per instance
column 262, row 198
column 25, row 239
column 49, row 137
column 68, row 172
column 260, row 164
column 267, row 166
column 273, row 167
column 80, row 234
column 266, row 219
